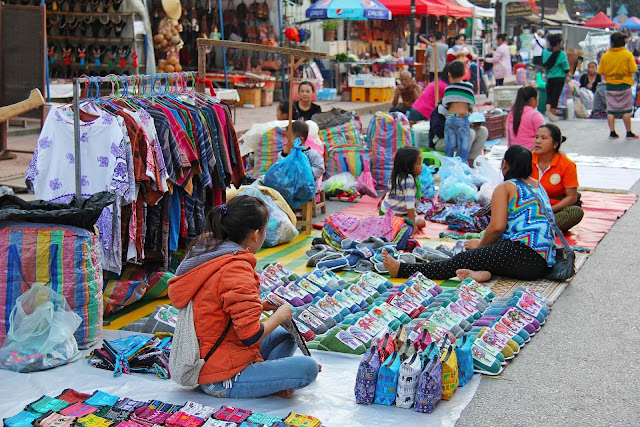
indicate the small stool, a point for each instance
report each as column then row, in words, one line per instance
column 430, row 159
column 304, row 217
column 319, row 201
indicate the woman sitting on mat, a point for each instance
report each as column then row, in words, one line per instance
column 253, row 359
column 404, row 192
column 524, row 119
column 558, row 175
column 519, row 241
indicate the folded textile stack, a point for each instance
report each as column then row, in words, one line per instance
column 338, row 227
column 134, row 353
column 72, row 408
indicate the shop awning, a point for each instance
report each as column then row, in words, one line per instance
column 423, row 7
column 455, row 10
column 478, row 12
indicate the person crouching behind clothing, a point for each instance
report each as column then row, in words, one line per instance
column 404, row 193
column 254, row 359
column 457, row 102
column 282, row 112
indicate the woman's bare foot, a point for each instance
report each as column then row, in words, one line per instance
column 285, row 394
column 478, row 276
column 392, row 265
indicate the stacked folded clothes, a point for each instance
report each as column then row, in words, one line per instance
column 101, row 409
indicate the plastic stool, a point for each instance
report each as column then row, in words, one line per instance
column 429, row 158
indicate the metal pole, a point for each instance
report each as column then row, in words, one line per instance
column 224, row 50
column 412, row 26
column 611, row 9
column 282, row 57
column 76, row 134
column 542, row 14
column 503, row 15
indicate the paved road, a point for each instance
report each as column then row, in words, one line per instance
column 582, row 367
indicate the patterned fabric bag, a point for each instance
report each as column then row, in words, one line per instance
column 429, row 390
column 345, row 149
column 366, row 377
column 387, row 132
column 408, row 381
column 267, row 152
column 465, row 360
column 450, row 379
column 72, row 270
column 386, row 347
column 388, row 380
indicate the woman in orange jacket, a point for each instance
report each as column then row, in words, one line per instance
column 218, row 273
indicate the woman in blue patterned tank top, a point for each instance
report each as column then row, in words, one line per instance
column 519, row 241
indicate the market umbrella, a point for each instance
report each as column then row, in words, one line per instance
column 632, row 24
column 600, row 21
column 348, row 10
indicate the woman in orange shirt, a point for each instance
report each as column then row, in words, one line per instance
column 558, row 175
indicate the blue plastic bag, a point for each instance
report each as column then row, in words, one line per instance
column 427, row 183
column 292, row 177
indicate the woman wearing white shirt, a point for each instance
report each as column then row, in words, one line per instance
column 501, row 60
column 538, row 43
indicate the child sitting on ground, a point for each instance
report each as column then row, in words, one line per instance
column 404, row 192
column 457, row 102
column 282, row 112
column 301, row 130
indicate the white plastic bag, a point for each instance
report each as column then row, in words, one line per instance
column 41, row 332
column 280, row 230
column 343, row 181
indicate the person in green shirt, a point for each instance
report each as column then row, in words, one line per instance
column 556, row 65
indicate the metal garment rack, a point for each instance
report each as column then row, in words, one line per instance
column 113, row 79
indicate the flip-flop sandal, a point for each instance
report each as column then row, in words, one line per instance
column 430, row 254
column 380, row 268
column 407, row 258
column 363, row 265
column 318, row 249
column 339, row 262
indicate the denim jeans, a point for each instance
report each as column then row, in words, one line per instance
column 456, row 136
column 278, row 372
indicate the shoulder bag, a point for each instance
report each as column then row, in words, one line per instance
column 564, row 268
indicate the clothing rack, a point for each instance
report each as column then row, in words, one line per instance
column 124, row 79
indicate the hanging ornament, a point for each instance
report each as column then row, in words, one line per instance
column 81, row 55
column 134, row 56
column 66, row 54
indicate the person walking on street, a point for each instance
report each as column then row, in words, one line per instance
column 440, row 51
column 556, row 64
column 538, row 43
column 501, row 60
column 618, row 66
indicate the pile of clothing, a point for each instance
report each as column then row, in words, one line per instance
column 467, row 217
column 103, row 409
column 339, row 226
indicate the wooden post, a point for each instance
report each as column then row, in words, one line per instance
column 435, row 67
column 289, row 129
column 202, row 67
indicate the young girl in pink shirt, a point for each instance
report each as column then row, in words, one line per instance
column 524, row 119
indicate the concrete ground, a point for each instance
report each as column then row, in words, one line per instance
column 580, row 369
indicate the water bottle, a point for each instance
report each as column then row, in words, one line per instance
column 570, row 110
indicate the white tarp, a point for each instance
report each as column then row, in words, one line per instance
column 329, row 398
column 478, row 12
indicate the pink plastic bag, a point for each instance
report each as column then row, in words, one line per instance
column 366, row 183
